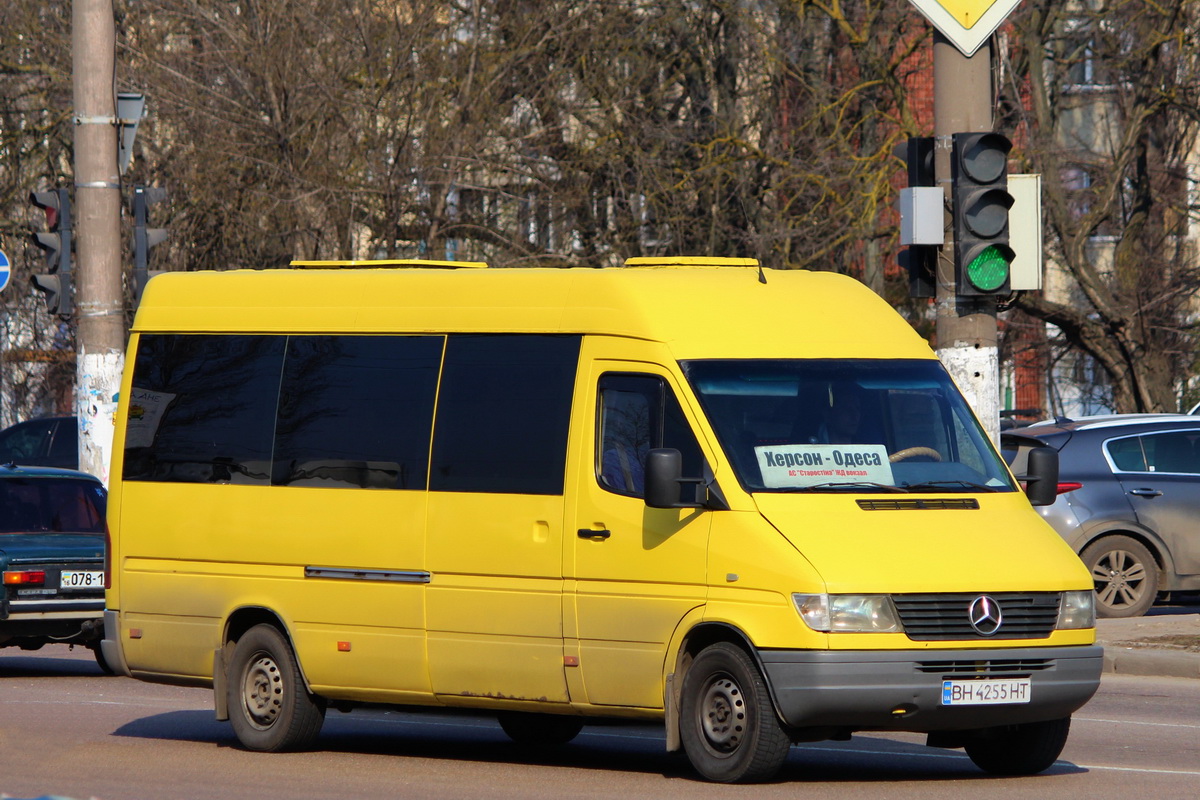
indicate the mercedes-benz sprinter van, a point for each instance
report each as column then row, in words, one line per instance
column 747, row 504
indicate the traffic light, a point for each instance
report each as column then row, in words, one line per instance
column 979, row 180
column 56, row 243
column 921, row 218
column 143, row 237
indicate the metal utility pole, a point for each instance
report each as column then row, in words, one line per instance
column 100, row 316
column 966, row 326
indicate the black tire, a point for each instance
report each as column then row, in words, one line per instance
column 1020, row 749
column 101, row 661
column 727, row 722
column 539, row 730
column 269, row 706
column 1125, row 575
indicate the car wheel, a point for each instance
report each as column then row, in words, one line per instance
column 727, row 722
column 539, row 730
column 269, row 706
column 1020, row 749
column 1125, row 574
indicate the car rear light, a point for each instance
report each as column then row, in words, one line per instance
column 25, row 577
column 1069, row 486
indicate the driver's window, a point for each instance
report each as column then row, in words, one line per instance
column 638, row 413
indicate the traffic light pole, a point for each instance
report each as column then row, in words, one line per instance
column 966, row 326
column 99, row 307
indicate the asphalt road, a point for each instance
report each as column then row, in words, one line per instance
column 67, row 730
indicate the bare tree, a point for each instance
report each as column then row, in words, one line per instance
column 1112, row 115
column 523, row 132
column 37, row 373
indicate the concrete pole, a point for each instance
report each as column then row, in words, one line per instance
column 966, row 326
column 99, row 307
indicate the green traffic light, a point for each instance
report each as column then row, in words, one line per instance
column 989, row 270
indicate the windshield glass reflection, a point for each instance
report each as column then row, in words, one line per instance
column 846, row 425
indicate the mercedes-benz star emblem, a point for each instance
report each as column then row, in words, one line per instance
column 984, row 614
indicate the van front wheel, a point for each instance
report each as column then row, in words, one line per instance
column 727, row 722
column 269, row 706
column 1020, row 749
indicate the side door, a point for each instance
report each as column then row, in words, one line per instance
column 1166, row 495
column 496, row 509
column 637, row 570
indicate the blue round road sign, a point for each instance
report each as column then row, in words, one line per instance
column 5, row 270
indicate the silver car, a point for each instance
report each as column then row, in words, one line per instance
column 1128, row 501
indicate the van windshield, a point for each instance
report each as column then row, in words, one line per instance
column 846, row 425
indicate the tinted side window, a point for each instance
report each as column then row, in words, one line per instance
column 503, row 414
column 1172, row 452
column 639, row 413
column 1126, row 454
column 357, row 411
column 65, row 447
column 26, row 441
column 203, row 408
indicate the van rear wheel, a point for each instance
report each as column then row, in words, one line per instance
column 101, row 661
column 269, row 706
column 539, row 730
column 727, row 722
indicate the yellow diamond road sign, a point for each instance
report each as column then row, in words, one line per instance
column 966, row 23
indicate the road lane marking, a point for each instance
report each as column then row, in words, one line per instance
column 1132, row 722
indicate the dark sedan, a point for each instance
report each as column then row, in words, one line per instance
column 44, row 442
column 1128, row 502
column 52, row 539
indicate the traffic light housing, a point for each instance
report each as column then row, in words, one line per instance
column 979, row 186
column 920, row 259
column 145, row 237
column 56, row 244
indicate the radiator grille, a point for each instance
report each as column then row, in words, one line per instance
column 995, row 667
column 931, row 617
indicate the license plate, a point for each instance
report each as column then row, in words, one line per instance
column 985, row 692
column 81, row 579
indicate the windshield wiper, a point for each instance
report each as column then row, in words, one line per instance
column 965, row 485
column 850, row 486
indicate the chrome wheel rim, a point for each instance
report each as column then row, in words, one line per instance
column 1120, row 579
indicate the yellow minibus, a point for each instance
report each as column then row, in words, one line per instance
column 746, row 504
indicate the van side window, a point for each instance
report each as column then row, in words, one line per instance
column 636, row 414
column 216, row 412
column 503, row 414
column 356, row 411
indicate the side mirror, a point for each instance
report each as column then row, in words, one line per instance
column 664, row 479
column 1041, row 480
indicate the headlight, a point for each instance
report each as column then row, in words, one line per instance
column 847, row 613
column 1077, row 610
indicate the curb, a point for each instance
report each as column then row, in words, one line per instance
column 1153, row 663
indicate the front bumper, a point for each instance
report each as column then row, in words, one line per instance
column 902, row 690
